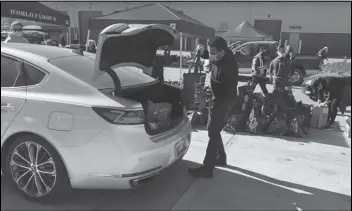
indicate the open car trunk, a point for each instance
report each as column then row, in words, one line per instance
column 157, row 95
column 138, row 44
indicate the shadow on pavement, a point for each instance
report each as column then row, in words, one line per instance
column 232, row 188
column 334, row 136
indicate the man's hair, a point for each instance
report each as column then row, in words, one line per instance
column 219, row 43
column 16, row 23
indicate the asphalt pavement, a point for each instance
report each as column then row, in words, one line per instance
column 264, row 173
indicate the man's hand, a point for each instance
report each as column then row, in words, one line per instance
column 211, row 103
column 200, row 48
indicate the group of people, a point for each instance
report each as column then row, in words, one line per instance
column 224, row 80
column 16, row 36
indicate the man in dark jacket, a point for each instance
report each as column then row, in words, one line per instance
column 335, row 87
column 279, row 70
column 322, row 54
column 224, row 79
column 259, row 71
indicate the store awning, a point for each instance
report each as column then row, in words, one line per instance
column 155, row 13
column 245, row 31
column 34, row 11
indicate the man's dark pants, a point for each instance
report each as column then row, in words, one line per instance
column 262, row 83
column 217, row 119
column 333, row 109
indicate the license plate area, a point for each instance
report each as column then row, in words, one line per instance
column 180, row 148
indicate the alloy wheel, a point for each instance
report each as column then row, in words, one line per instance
column 295, row 76
column 33, row 169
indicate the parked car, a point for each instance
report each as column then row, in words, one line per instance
column 62, row 125
column 235, row 44
column 335, row 70
column 300, row 68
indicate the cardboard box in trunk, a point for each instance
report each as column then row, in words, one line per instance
column 319, row 117
column 158, row 115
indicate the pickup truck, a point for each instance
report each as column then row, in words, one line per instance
column 301, row 67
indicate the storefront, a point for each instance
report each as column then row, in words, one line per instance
column 35, row 17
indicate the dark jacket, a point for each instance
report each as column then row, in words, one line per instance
column 322, row 54
column 258, row 65
column 224, row 76
column 333, row 85
column 279, row 67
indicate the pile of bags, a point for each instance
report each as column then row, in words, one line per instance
column 277, row 114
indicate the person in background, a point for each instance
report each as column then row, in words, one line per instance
column 63, row 40
column 259, row 71
column 290, row 53
column 279, row 69
column 158, row 69
column 92, row 46
column 75, row 42
column 333, row 86
column 16, row 34
column 51, row 42
column 322, row 54
column 224, row 79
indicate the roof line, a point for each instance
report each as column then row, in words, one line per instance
column 165, row 7
column 136, row 7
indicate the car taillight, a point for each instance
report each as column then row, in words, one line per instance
column 121, row 116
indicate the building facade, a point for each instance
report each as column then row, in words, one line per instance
column 306, row 26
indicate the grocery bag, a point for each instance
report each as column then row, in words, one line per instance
column 192, row 91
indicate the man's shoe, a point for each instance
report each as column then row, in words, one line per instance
column 201, row 173
column 326, row 127
column 221, row 162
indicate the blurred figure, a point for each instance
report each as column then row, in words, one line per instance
column 158, row 69
column 51, row 42
column 259, row 71
column 16, row 34
column 63, row 40
column 290, row 53
column 75, row 42
column 322, row 54
column 279, row 69
column 92, row 46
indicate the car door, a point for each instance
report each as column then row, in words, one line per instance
column 244, row 57
column 12, row 96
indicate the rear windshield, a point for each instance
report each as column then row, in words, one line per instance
column 82, row 67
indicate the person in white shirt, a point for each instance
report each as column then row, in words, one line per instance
column 16, row 34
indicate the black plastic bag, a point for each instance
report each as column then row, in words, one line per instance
column 193, row 88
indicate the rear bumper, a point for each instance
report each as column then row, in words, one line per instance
column 121, row 161
column 135, row 183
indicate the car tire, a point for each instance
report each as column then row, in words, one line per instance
column 51, row 177
column 297, row 76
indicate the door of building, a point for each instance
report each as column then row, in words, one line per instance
column 293, row 41
column 270, row 27
column 84, row 17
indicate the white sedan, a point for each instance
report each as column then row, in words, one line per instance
column 62, row 125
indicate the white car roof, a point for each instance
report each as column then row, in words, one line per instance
column 22, row 50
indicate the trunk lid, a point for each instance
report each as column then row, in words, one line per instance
column 131, row 43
